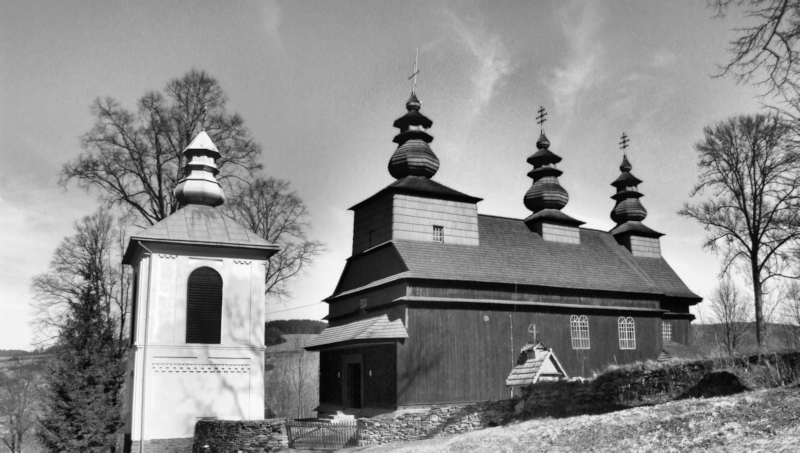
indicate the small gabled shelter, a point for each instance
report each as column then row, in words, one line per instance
column 536, row 363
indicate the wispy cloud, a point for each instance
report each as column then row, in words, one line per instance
column 492, row 60
column 580, row 71
column 272, row 21
column 663, row 58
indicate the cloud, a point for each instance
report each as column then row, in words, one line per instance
column 662, row 59
column 272, row 21
column 580, row 23
column 492, row 61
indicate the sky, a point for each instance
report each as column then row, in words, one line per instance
column 319, row 85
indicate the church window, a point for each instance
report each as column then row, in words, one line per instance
column 204, row 307
column 579, row 329
column 438, row 233
column 627, row 333
column 666, row 331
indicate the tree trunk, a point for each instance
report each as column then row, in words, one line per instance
column 760, row 327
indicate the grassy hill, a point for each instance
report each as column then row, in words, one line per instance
column 763, row 420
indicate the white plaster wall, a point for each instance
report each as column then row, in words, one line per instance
column 183, row 382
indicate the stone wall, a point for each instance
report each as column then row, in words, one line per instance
column 653, row 384
column 223, row 436
column 433, row 421
column 180, row 445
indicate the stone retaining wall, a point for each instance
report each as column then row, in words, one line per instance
column 640, row 385
column 178, row 445
column 433, row 421
column 223, row 436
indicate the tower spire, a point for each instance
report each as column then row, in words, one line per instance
column 628, row 207
column 546, row 192
column 200, row 185
column 413, row 156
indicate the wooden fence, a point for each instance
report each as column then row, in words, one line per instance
column 319, row 435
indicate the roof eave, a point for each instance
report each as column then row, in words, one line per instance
column 131, row 249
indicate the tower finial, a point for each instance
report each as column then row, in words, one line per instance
column 623, row 144
column 414, row 75
column 541, row 119
column 205, row 114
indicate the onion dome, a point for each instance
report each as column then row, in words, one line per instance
column 413, row 156
column 546, row 192
column 200, row 185
column 628, row 207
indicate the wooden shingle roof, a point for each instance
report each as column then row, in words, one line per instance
column 510, row 253
column 535, row 360
column 200, row 224
column 370, row 329
column 420, row 185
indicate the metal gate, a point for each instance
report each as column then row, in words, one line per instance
column 321, row 435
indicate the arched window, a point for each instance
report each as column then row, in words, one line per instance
column 579, row 329
column 627, row 333
column 204, row 307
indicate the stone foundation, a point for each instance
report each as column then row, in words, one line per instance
column 223, row 436
column 433, row 421
column 179, row 445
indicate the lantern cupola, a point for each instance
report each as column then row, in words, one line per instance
column 200, row 185
column 413, row 156
column 546, row 197
column 628, row 212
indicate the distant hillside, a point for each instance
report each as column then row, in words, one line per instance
column 708, row 338
column 13, row 352
column 274, row 331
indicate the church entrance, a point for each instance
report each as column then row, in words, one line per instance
column 352, row 383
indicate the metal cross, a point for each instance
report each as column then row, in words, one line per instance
column 414, row 75
column 623, row 144
column 205, row 113
column 541, row 118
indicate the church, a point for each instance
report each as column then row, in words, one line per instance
column 436, row 301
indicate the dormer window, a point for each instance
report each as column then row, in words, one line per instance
column 438, row 233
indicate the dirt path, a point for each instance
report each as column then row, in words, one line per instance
column 764, row 420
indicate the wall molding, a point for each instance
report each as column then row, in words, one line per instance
column 201, row 367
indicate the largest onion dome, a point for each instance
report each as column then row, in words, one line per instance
column 200, row 185
column 628, row 207
column 413, row 156
column 546, row 192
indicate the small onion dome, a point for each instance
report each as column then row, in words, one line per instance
column 628, row 207
column 546, row 192
column 200, row 185
column 413, row 156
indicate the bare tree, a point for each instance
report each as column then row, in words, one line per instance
column 87, row 255
column 19, row 401
column 790, row 316
column 136, row 159
column 750, row 170
column 268, row 207
column 731, row 310
column 764, row 53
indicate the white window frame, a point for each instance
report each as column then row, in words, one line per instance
column 579, row 331
column 438, row 234
column 666, row 331
column 627, row 333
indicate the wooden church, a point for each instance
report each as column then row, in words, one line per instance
column 435, row 303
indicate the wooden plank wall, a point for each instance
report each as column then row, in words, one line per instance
column 379, row 388
column 523, row 293
column 456, row 355
column 376, row 297
column 413, row 219
column 375, row 216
